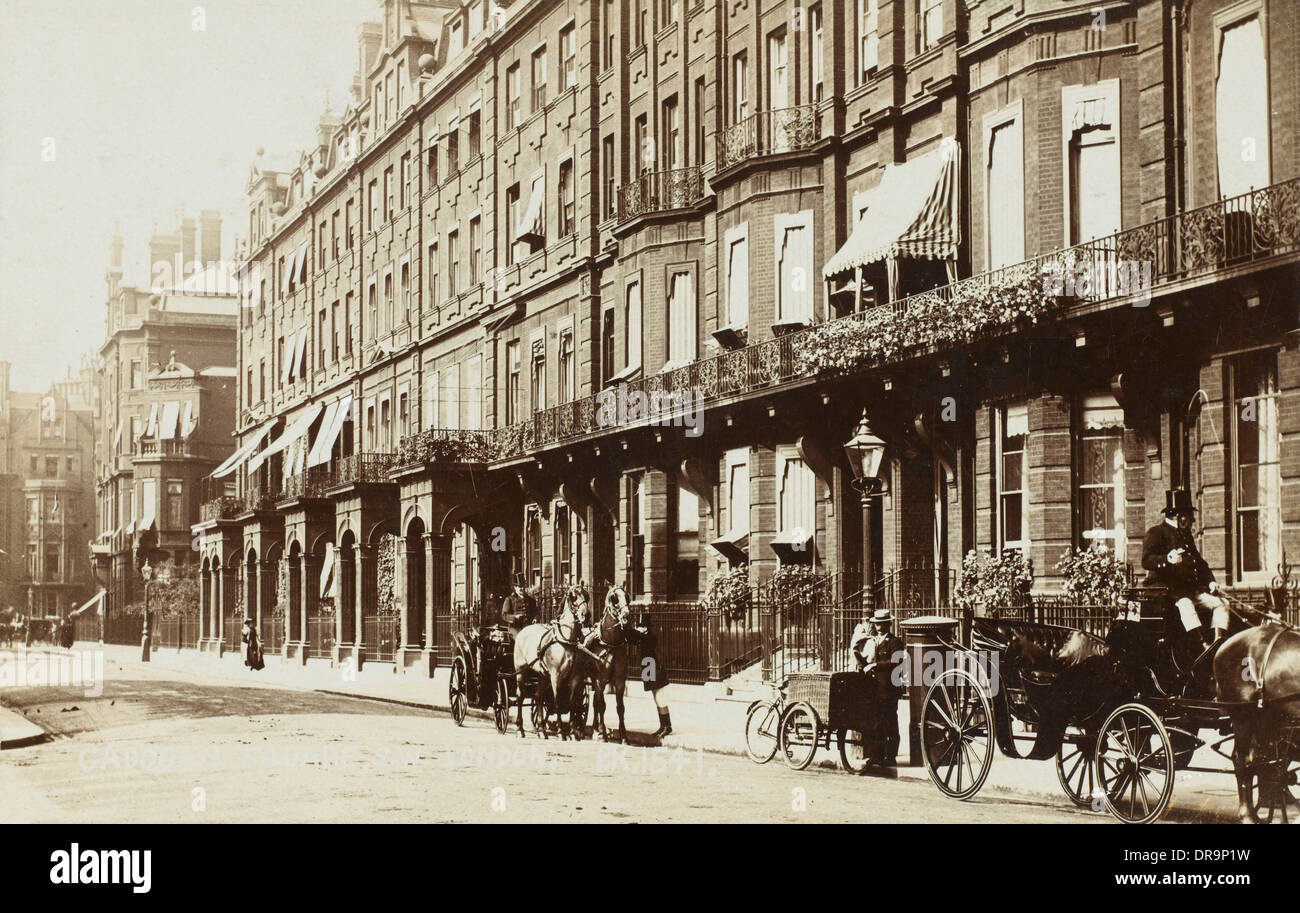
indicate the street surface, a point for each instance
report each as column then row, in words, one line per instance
column 158, row 746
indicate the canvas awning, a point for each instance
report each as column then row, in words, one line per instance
column 171, row 413
column 327, row 573
column 911, row 213
column 291, row 434
column 299, row 350
column 152, row 428
column 330, row 427
column 188, row 421
column 303, row 253
column 734, row 546
column 117, row 436
column 532, row 226
column 242, row 453
column 793, row 546
column 94, row 602
column 289, row 267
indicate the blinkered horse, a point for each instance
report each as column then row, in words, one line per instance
column 552, row 652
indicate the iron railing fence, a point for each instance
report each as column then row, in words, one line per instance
column 273, row 634
column 381, row 635
column 320, row 636
column 659, row 191
column 768, row 133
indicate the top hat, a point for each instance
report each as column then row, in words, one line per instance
column 1178, row 501
column 519, row 580
column 882, row 616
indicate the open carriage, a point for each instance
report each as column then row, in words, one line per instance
column 1118, row 715
column 482, row 673
column 483, row 676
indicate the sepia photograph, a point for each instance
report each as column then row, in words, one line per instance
column 651, row 412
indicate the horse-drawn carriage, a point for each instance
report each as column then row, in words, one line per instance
column 1120, row 715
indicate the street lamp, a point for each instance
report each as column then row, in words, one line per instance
column 866, row 452
column 147, row 573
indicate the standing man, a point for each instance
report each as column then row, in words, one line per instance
column 1172, row 561
column 874, row 647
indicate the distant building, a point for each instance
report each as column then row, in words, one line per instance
column 47, row 511
column 167, row 393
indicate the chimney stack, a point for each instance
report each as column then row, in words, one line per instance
column 114, row 274
column 163, row 249
column 210, row 236
column 188, row 233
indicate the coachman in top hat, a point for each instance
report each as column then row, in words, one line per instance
column 1172, row 561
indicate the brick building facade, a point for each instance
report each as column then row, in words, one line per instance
column 167, row 399
column 47, row 507
column 784, row 214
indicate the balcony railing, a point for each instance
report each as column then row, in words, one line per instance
column 363, row 467
column 659, row 191
column 768, row 133
column 447, row 445
column 310, row 483
column 1133, row 263
column 222, row 508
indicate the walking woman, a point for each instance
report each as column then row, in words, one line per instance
column 654, row 675
column 252, row 647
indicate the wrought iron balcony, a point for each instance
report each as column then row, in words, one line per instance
column 363, row 467
column 222, row 508
column 659, row 191
column 1260, row 226
column 310, row 483
column 768, row 133
column 446, row 445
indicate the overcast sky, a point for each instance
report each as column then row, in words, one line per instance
column 142, row 114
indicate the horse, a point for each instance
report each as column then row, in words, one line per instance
column 550, row 651
column 610, row 641
column 1257, row 675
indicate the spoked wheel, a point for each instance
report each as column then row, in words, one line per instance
column 799, row 733
column 501, row 706
column 1135, row 764
column 456, row 691
column 540, row 713
column 853, row 750
column 578, row 713
column 762, row 731
column 956, row 734
column 1273, row 792
column 1074, row 768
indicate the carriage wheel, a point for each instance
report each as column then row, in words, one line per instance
column 956, row 734
column 1076, row 771
column 501, row 706
column 578, row 713
column 762, row 731
column 799, row 735
column 1272, row 793
column 540, row 711
column 853, row 750
column 1135, row 764
column 456, row 691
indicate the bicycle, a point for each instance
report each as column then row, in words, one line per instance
column 763, row 725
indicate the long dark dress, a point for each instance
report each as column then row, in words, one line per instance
column 653, row 675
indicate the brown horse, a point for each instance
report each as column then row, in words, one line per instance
column 547, row 655
column 1257, row 672
column 610, row 642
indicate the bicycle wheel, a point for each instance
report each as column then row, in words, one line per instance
column 761, row 731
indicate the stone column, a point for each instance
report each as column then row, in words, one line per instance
column 266, row 572
column 437, row 603
column 229, row 583
column 311, row 568
column 367, row 602
column 205, row 585
column 347, row 628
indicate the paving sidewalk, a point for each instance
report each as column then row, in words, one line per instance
column 704, row 718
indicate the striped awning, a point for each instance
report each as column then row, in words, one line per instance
column 330, row 427
column 911, row 213
column 94, row 602
column 242, row 453
column 291, row 434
